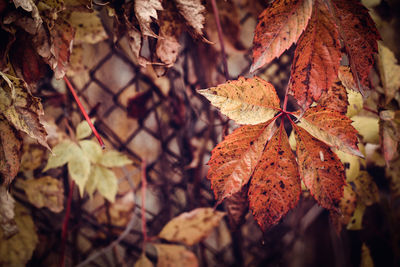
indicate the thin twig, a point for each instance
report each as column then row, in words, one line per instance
column 371, row 110
column 143, row 210
column 221, row 38
column 65, row 224
column 73, row 92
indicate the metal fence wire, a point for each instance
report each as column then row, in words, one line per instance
column 166, row 123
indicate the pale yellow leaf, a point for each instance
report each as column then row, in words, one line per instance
column 356, row 103
column 114, row 158
column 175, row 256
column 389, row 70
column 107, row 183
column 45, row 192
column 83, row 130
column 89, row 28
column 366, row 189
column 79, row 169
column 91, row 183
column 143, row 261
column 91, row 149
column 7, row 222
column 247, row 101
column 191, row 227
column 62, row 153
column 18, row 250
column 367, row 127
column 356, row 221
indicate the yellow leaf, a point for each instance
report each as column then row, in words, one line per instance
column 389, row 71
column 45, row 192
column 91, row 149
column 143, row 261
column 32, row 157
column 247, row 101
column 366, row 259
column 366, row 189
column 107, row 183
column 356, row 103
column 175, row 256
column 356, row 221
column 91, row 183
column 367, row 127
column 83, row 130
column 191, row 227
column 89, row 28
column 62, row 153
column 17, row 250
column 79, row 169
column 114, row 158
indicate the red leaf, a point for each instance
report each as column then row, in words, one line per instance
column 316, row 59
column 320, row 169
column 360, row 36
column 279, row 26
column 234, row 159
column 275, row 185
column 335, row 98
column 331, row 127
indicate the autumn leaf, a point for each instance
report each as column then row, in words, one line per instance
column 335, row 98
column 347, row 207
column 320, row 169
column 316, row 58
column 389, row 70
column 83, row 130
column 192, row 11
column 10, row 152
column 247, row 101
column 237, row 208
column 45, row 192
column 7, row 214
column 107, row 183
column 191, row 227
column 331, row 127
column 114, row 158
column 175, row 256
column 145, row 10
column 233, row 160
column 279, row 26
column 89, row 28
column 359, row 34
column 275, row 184
column 18, row 250
column 143, row 261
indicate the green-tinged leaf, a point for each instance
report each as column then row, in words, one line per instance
column 107, row 183
column 143, row 261
column 91, row 183
column 247, row 101
column 7, row 222
column 175, row 256
column 332, row 128
column 89, row 28
column 10, row 152
column 91, row 149
column 62, row 153
column 114, row 158
column 45, row 192
column 191, row 227
column 79, row 169
column 83, row 130
column 18, row 250
column 367, row 127
column 356, row 221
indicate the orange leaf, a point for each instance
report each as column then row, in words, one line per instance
column 247, row 101
column 331, row 127
column 335, row 98
column 360, row 36
column 234, row 159
column 275, row 185
column 279, row 26
column 316, row 59
column 320, row 169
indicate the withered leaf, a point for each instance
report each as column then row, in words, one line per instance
column 279, row 26
column 192, row 11
column 335, row 98
column 316, row 58
column 389, row 70
column 247, row 101
column 7, row 222
column 145, row 10
column 88, row 26
column 237, row 207
column 191, row 227
column 175, row 256
column 320, row 169
column 275, row 184
column 10, row 152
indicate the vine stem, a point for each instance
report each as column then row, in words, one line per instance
column 65, row 223
column 75, row 95
column 286, row 99
column 143, row 210
column 221, row 38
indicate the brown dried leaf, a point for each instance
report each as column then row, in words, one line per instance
column 191, row 227
column 237, row 207
column 192, row 11
column 335, row 98
column 45, row 192
column 10, row 152
column 279, row 26
column 175, row 256
column 145, row 10
column 7, row 214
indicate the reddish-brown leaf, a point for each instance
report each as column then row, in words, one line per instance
column 335, row 98
column 320, row 169
column 275, row 185
column 237, row 206
column 331, row 127
column 317, row 57
column 360, row 36
column 279, row 26
column 234, row 159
